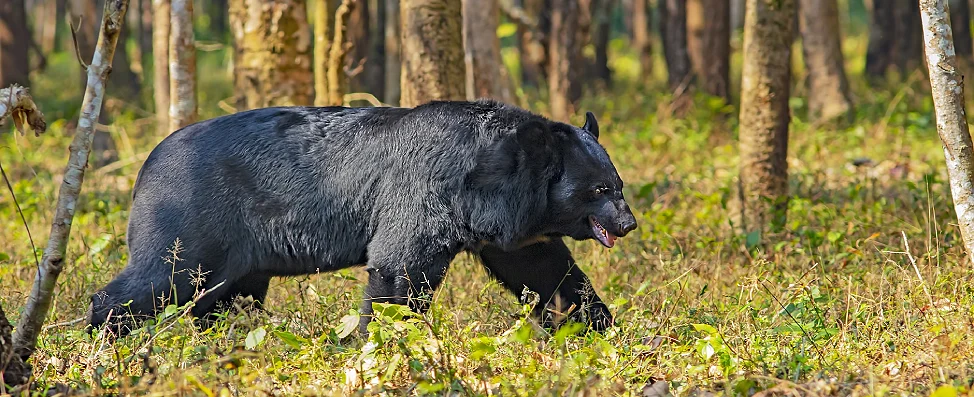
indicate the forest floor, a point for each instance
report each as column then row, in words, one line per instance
column 865, row 292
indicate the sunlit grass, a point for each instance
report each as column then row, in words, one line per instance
column 834, row 298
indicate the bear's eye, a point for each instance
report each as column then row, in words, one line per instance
column 601, row 190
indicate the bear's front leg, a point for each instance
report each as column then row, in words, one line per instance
column 406, row 279
column 548, row 269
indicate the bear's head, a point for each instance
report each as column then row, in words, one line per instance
column 584, row 197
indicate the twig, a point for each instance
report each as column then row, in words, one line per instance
column 518, row 14
column 30, row 237
column 913, row 261
column 821, row 354
column 74, row 37
column 188, row 307
column 363, row 96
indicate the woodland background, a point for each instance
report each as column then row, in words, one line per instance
column 797, row 233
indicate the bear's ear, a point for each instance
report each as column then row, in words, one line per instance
column 591, row 125
column 534, row 137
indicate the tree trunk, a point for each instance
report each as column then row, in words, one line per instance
column 642, row 40
column 432, row 51
column 563, row 59
column 145, row 32
column 882, row 31
column 764, row 115
column 601, row 25
column 218, row 11
column 947, row 87
column 737, row 14
column 182, row 65
column 533, row 42
column 673, row 31
column 960, row 23
column 708, row 28
column 828, row 87
column 41, row 296
column 14, row 40
column 272, row 53
column 908, row 37
column 392, row 57
column 486, row 74
column 337, row 81
column 160, row 64
column 323, row 37
column 45, row 24
column 375, row 67
column 357, row 56
column 124, row 80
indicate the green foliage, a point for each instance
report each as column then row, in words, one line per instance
column 830, row 303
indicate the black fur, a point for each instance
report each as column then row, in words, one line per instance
column 300, row 190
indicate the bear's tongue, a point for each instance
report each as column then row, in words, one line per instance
column 607, row 239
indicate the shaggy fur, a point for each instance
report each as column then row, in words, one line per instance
column 299, row 190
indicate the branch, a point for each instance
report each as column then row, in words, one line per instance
column 336, row 59
column 41, row 296
column 518, row 14
column 15, row 101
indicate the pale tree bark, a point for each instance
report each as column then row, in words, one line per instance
column 337, row 81
column 392, row 57
column 323, row 37
column 764, row 118
column 273, row 53
column 708, row 41
column 160, row 62
column 52, row 263
column 882, row 32
column 14, row 39
column 828, row 86
column 182, row 65
column 432, row 51
column 673, row 31
column 563, row 58
column 947, row 87
column 642, row 40
column 486, row 74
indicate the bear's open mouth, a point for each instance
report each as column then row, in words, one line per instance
column 604, row 236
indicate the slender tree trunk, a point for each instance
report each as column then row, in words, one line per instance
column 960, row 22
column 563, row 58
column 122, row 77
column 828, row 87
column 182, row 65
column 533, row 42
column 708, row 28
column 764, row 112
column 42, row 295
column 145, row 32
column 673, row 31
column 323, row 37
column 392, row 57
column 375, row 67
column 642, row 39
column 486, row 75
column 160, row 64
column 601, row 25
column 14, row 40
column 45, row 25
column 273, row 49
column 218, row 11
column 337, row 82
column 432, row 51
column 882, row 31
column 357, row 56
column 947, row 87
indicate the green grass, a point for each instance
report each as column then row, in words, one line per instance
column 832, row 304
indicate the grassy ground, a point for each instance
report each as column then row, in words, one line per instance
column 866, row 291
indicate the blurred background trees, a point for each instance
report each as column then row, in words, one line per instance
column 548, row 55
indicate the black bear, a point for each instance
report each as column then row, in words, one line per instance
column 300, row 190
